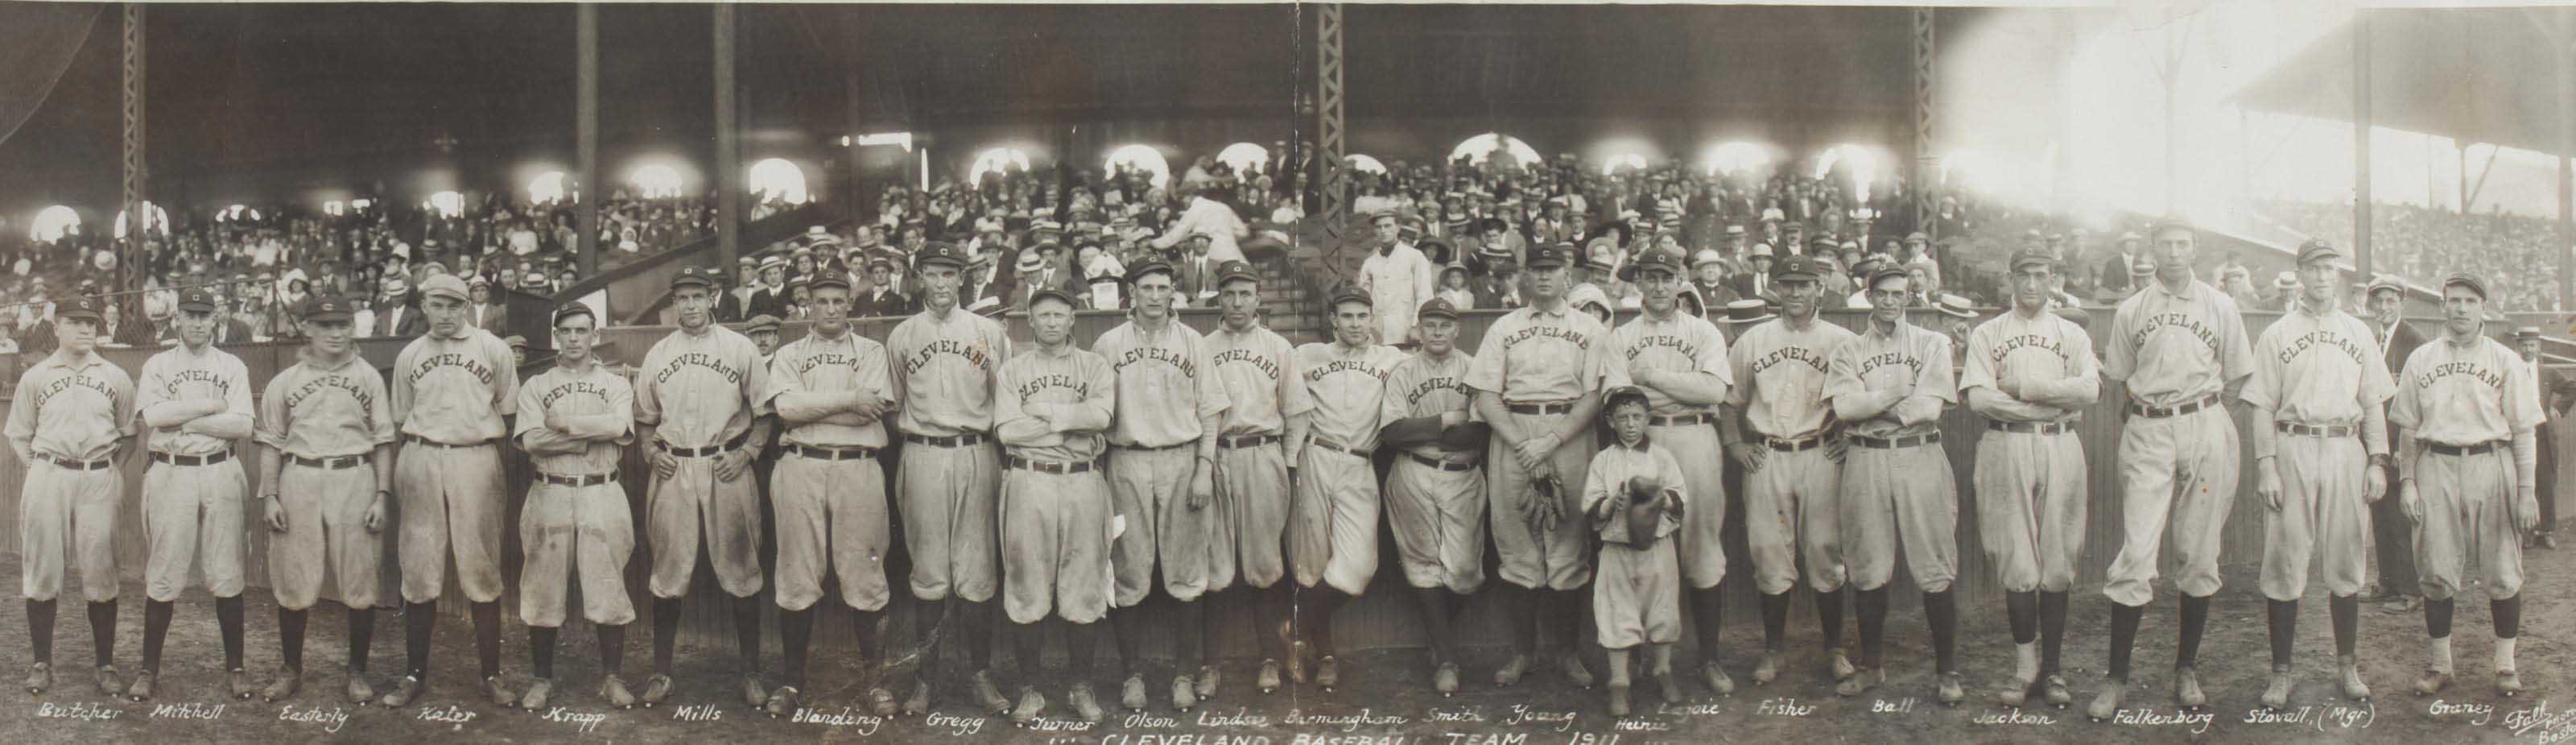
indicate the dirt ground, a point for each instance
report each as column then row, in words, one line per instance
column 1386, row 699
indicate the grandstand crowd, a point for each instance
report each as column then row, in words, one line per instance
column 2517, row 253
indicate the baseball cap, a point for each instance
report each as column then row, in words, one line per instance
column 2026, row 257
column 2467, row 280
column 760, row 323
column 1350, row 294
column 1550, row 257
column 2388, row 282
column 1437, row 307
column 940, row 252
column 197, row 300
column 1797, row 266
column 1621, row 394
column 1234, row 270
column 1885, row 270
column 1056, row 293
column 568, row 310
column 832, row 273
column 326, row 309
column 693, row 275
column 1651, row 259
column 79, row 308
column 443, row 284
column 515, row 341
column 2316, row 249
column 1148, row 266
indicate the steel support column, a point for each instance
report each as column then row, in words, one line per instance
column 138, row 221
column 1328, row 111
column 588, row 188
column 2361, row 142
column 1926, row 160
column 728, row 146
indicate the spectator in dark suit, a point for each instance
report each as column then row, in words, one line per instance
column 2554, row 389
column 1194, row 276
column 1708, row 278
column 882, row 299
column 2394, row 534
column 395, row 313
column 1755, row 281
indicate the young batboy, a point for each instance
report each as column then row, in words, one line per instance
column 1633, row 494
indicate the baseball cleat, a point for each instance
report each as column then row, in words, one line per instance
column 1841, row 665
column 1328, row 673
column 109, row 683
column 2187, row 692
column 239, row 681
column 539, row 693
column 1131, row 694
column 657, row 689
column 2432, row 682
column 1512, row 671
column 1953, row 688
column 2508, row 682
column 1031, row 705
column 881, row 701
column 499, row 693
column 1083, row 705
column 1184, row 695
column 1672, row 687
column 287, row 681
column 988, row 695
column 1572, row 664
column 41, row 679
column 2014, row 693
column 754, row 694
column 1859, row 682
column 1769, row 669
column 782, row 702
column 613, row 690
column 2276, row 694
column 1206, row 680
column 919, row 702
column 2353, row 688
column 2107, row 703
column 358, row 690
column 404, row 691
column 1714, row 675
column 1618, row 701
column 1445, row 679
column 141, row 689
column 2056, row 693
column 1268, row 680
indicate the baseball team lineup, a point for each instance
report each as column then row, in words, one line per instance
column 1163, row 484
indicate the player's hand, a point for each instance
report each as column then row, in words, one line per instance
column 2267, row 483
column 1535, row 448
column 554, row 420
column 729, row 466
column 1202, row 485
column 273, row 513
column 1836, row 446
column 2526, row 511
column 2409, row 501
column 2009, row 385
column 1452, row 418
column 1749, row 455
column 2374, row 485
column 664, row 464
column 375, row 520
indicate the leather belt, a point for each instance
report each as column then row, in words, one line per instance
column 2159, row 412
column 1445, row 465
column 78, row 465
column 334, row 463
column 191, row 460
column 408, row 437
column 1681, row 420
column 969, row 439
column 2477, row 449
column 2035, row 428
column 1337, row 447
column 2307, row 430
column 1047, row 466
column 590, row 480
column 824, row 453
column 1896, row 443
column 1792, row 446
column 708, row 450
column 1245, row 441
column 1154, row 448
column 1554, row 408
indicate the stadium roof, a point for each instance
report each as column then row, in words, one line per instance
column 2478, row 75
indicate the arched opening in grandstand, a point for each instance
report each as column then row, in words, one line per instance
column 53, row 223
column 1365, row 164
column 157, row 220
column 1623, row 161
column 447, row 204
column 236, row 213
column 549, row 187
column 1736, row 159
column 778, row 179
column 1856, row 162
column 656, row 181
column 335, row 208
column 1140, row 158
column 1244, row 157
column 999, row 159
column 1480, row 150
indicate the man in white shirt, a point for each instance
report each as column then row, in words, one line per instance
column 1397, row 279
column 1211, row 217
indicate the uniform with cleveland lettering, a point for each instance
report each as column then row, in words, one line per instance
column 1688, row 344
column 1164, row 402
column 944, row 375
column 1540, row 362
column 449, row 395
column 2030, row 467
column 325, row 422
column 192, row 496
column 2464, row 406
column 1052, row 413
column 69, row 416
column 1251, row 500
column 829, row 487
column 2316, row 374
column 576, row 522
column 1435, row 497
column 1791, row 499
column 1332, row 538
column 2175, row 352
column 1896, row 480
column 700, row 392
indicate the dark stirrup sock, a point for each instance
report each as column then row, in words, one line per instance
column 487, row 638
column 1272, row 610
column 2282, row 619
column 290, row 636
column 666, row 632
column 1708, row 612
column 1028, row 647
column 420, row 622
column 2021, row 610
column 1434, row 605
column 978, row 620
column 2508, row 616
column 2195, row 620
column 2124, row 637
column 40, row 629
column 1941, row 610
column 1873, row 625
column 2052, row 631
column 156, row 625
column 2437, row 617
column 362, row 636
column 746, row 630
column 867, row 626
column 102, row 631
column 796, row 635
column 1189, row 635
column 1520, row 604
column 228, row 616
column 1829, row 615
column 1329, row 602
column 541, row 650
column 1082, row 643
column 1775, row 620
column 2346, row 612
column 1132, row 627
column 612, row 648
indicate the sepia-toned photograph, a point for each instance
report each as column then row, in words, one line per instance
column 1287, row 373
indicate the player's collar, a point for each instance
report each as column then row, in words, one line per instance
column 63, row 359
column 1643, row 442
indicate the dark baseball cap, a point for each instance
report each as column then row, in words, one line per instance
column 695, row 275
column 2028, row 256
column 1437, row 307
column 327, row 309
column 2467, row 280
column 1149, row 266
column 1799, row 265
column 1351, row 294
column 569, row 310
column 830, row 274
column 1550, row 257
column 1884, row 271
column 1234, row 270
column 1052, row 293
column 197, row 300
column 1667, row 261
column 2317, row 249
column 939, row 253
column 86, row 308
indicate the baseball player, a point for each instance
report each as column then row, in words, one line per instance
column 2176, row 345
column 1054, row 415
column 1679, row 360
column 1538, row 381
column 1435, row 493
column 1889, row 385
column 1161, row 476
column 451, row 387
column 2030, row 373
column 73, row 411
column 1255, row 367
column 946, row 367
column 1791, row 455
column 1633, row 496
column 326, row 465
column 196, row 399
column 1332, row 535
column 831, row 393
column 698, row 400
column 575, row 420
column 2461, row 402
column 2317, row 379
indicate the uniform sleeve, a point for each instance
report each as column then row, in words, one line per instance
column 402, row 388
column 1486, row 371
column 22, row 415
column 2262, row 389
column 1977, row 370
column 1604, row 367
column 2235, row 357
column 1668, row 470
column 1712, row 354
column 2087, row 364
column 1294, row 398
column 1740, row 358
column 621, row 400
column 505, row 386
column 895, row 373
column 1101, row 386
column 272, row 422
column 1842, row 373
column 648, row 391
column 755, row 379
column 528, row 401
column 2403, row 408
column 1212, row 396
column 778, row 384
column 126, row 414
column 148, row 390
column 237, row 398
column 2123, row 358
column 875, row 370
column 2376, row 385
column 1935, row 379
column 1598, row 480
column 1391, row 406
column 1012, row 424
column 2522, row 408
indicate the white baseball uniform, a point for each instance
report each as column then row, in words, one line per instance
column 1688, row 344
column 1896, row 479
column 2175, row 352
column 829, row 485
column 449, row 395
column 945, row 371
column 67, row 417
column 1636, row 591
column 583, row 527
column 1436, row 509
column 1164, row 402
column 2317, row 371
column 2463, row 400
column 1332, row 533
column 1053, row 414
column 1539, row 363
column 1792, row 500
column 2031, row 501
column 700, row 393
column 326, row 423
column 1252, row 489
column 193, row 512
